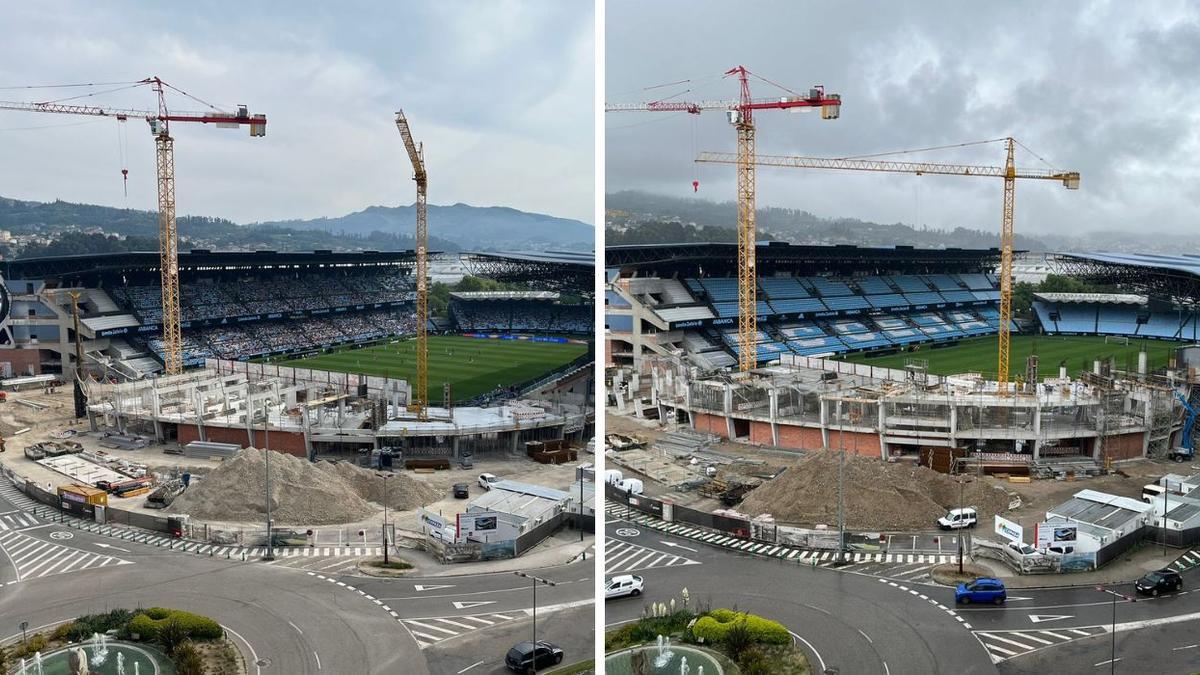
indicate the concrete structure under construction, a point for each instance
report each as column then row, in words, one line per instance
column 310, row 412
column 808, row 403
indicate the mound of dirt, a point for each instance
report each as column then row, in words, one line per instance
column 302, row 493
column 878, row 496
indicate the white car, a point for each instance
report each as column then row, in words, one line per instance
column 487, row 480
column 957, row 519
column 1019, row 550
column 623, row 585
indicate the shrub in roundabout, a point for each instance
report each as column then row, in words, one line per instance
column 715, row 626
column 147, row 622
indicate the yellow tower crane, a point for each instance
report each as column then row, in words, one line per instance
column 741, row 116
column 416, row 154
column 1009, row 172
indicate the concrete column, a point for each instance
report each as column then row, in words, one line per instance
column 824, row 422
column 774, row 414
column 457, row 452
column 515, row 446
column 1141, row 363
column 1037, row 431
column 654, row 384
column 1062, row 372
column 727, row 404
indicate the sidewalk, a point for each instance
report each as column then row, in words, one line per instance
column 560, row 549
column 1125, row 570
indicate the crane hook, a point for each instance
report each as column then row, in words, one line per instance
column 695, row 186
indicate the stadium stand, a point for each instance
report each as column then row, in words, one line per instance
column 518, row 311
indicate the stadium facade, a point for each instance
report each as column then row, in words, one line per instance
column 671, row 345
column 240, row 307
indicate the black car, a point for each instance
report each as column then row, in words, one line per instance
column 520, row 659
column 1159, row 581
column 462, row 490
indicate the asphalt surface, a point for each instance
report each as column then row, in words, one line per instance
column 291, row 619
column 852, row 623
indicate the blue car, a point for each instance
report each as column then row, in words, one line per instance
column 984, row 589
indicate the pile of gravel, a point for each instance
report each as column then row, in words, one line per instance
column 878, row 495
column 302, row 493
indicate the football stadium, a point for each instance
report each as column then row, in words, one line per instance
column 317, row 345
column 893, row 351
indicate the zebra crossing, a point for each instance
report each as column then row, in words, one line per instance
column 428, row 632
column 34, row 558
column 1006, row 644
column 905, row 566
column 14, row 496
column 621, row 557
column 16, row 521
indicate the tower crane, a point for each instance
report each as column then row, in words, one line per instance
column 741, row 116
column 1009, row 172
column 416, row 155
column 164, row 144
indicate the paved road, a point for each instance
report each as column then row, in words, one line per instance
column 470, row 621
column 855, row 623
column 305, row 613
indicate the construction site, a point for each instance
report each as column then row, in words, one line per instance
column 180, row 393
column 742, row 349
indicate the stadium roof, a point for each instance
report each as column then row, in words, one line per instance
column 194, row 260
column 587, row 259
column 1105, row 298
column 720, row 258
column 1173, row 276
column 505, row 295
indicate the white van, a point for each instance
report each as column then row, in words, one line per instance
column 632, row 486
column 1152, row 492
column 957, row 519
column 613, row 477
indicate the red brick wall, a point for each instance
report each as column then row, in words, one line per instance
column 760, row 432
column 713, row 424
column 1123, row 446
column 22, row 359
column 281, row 441
column 800, row 438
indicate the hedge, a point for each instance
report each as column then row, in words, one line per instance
column 147, row 621
column 713, row 626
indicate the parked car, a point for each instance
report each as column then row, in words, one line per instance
column 957, row 519
column 462, row 490
column 623, row 585
column 1020, row 549
column 1159, row 581
column 984, row 589
column 487, row 480
column 447, row 534
column 1059, row 549
column 525, row 657
column 633, row 486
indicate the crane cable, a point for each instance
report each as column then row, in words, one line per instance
column 123, row 152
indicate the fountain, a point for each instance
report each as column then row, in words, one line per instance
column 120, row 663
column 683, row 666
column 37, row 662
column 137, row 668
column 21, row 671
column 99, row 649
column 664, row 651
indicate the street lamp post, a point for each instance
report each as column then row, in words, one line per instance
column 385, row 477
column 961, row 483
column 267, row 451
column 1112, row 659
column 535, row 581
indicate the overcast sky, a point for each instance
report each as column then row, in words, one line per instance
column 1109, row 89
column 502, row 94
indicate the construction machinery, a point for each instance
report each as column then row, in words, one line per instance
column 1009, row 172
column 416, row 155
column 168, row 237
column 1186, row 450
column 741, row 116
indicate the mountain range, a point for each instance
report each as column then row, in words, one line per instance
column 452, row 228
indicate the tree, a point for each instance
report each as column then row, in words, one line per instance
column 172, row 634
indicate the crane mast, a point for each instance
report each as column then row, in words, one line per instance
column 741, row 116
column 1009, row 172
column 416, row 155
column 164, row 153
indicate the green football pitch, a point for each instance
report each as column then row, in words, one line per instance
column 979, row 354
column 472, row 366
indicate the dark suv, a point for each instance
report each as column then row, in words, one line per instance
column 1159, row 581
column 520, row 659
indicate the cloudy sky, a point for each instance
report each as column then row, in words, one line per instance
column 1109, row 89
column 502, row 94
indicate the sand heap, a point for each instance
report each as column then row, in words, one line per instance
column 302, row 492
column 879, row 495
